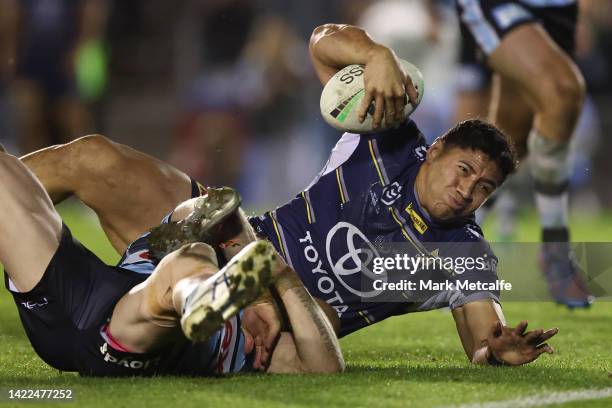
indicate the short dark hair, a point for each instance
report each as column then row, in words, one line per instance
column 480, row 135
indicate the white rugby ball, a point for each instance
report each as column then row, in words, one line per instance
column 342, row 95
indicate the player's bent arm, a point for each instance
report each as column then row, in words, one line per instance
column 334, row 46
column 312, row 346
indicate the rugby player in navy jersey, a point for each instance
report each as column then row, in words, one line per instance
column 384, row 187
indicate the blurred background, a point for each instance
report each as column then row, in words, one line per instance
column 224, row 89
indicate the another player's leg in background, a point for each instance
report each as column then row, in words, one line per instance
column 511, row 112
column 129, row 191
column 528, row 59
column 31, row 228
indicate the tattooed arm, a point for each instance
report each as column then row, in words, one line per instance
column 312, row 345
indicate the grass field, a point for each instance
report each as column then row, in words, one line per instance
column 412, row 360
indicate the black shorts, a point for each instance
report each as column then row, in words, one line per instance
column 70, row 304
column 485, row 22
column 473, row 75
column 64, row 317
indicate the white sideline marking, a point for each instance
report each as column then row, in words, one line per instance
column 539, row 400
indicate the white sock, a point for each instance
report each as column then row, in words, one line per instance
column 550, row 166
column 553, row 210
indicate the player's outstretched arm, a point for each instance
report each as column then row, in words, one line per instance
column 487, row 340
column 312, row 345
column 334, row 46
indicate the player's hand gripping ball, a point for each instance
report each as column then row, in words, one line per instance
column 343, row 93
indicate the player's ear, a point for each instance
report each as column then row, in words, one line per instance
column 435, row 150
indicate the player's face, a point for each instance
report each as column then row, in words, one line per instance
column 457, row 181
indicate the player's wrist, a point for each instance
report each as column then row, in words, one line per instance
column 492, row 359
column 378, row 51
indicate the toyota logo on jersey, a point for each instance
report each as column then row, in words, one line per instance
column 350, row 256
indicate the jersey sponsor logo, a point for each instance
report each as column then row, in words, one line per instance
column 127, row 362
column 353, row 254
column 325, row 284
column 32, row 305
column 417, row 221
column 391, row 193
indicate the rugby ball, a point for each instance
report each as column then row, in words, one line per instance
column 342, row 95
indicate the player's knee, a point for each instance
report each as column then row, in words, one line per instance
column 198, row 251
column 8, row 166
column 563, row 95
column 188, row 260
column 87, row 148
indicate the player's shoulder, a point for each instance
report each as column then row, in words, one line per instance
column 467, row 236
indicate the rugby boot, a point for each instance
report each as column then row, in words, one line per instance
column 563, row 275
column 203, row 224
column 234, row 287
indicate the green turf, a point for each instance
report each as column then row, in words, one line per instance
column 412, row 360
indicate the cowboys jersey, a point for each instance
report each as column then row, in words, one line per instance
column 361, row 204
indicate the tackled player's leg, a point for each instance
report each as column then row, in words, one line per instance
column 31, row 228
column 186, row 291
column 129, row 190
column 49, row 274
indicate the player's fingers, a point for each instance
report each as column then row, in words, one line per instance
column 389, row 110
column 545, row 348
column 411, row 91
column 400, row 102
column 265, row 357
column 272, row 334
column 249, row 343
column 533, row 337
column 520, row 329
column 378, row 111
column 258, row 358
column 548, row 334
column 365, row 105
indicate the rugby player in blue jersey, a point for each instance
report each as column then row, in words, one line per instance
column 386, row 187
